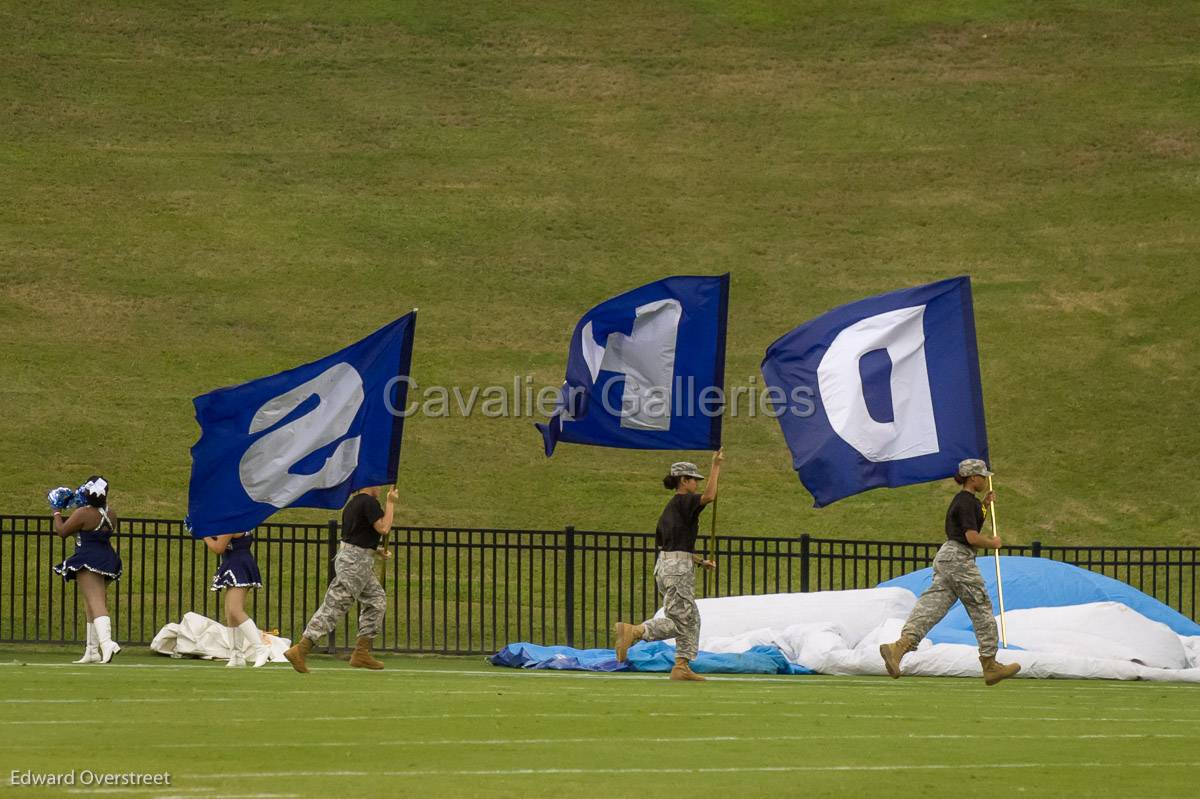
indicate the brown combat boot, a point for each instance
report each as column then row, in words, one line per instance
column 683, row 671
column 994, row 672
column 297, row 652
column 361, row 656
column 893, row 652
column 625, row 636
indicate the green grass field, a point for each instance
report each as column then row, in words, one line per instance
column 457, row 727
column 196, row 197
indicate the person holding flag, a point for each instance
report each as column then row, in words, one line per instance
column 886, row 391
column 957, row 577
column 324, row 434
column 365, row 525
column 646, row 370
column 674, row 569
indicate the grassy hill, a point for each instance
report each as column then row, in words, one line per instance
column 193, row 198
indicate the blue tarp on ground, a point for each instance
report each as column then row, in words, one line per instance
column 1041, row 583
column 653, row 656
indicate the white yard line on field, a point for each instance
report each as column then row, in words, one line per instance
column 498, row 713
column 678, row 740
column 144, row 790
column 798, row 680
column 173, row 700
column 498, row 672
column 527, row 772
column 488, row 742
column 177, row 793
column 229, row 796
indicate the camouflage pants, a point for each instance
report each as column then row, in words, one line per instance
column 354, row 578
column 675, row 576
column 955, row 576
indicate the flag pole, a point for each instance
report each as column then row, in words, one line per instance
column 999, row 584
column 712, row 547
column 381, row 562
column 712, row 532
column 397, row 484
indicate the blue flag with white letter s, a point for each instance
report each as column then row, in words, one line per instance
column 881, row 392
column 646, row 369
column 307, row 437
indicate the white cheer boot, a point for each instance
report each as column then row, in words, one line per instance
column 237, row 660
column 91, row 651
column 108, row 647
column 258, row 650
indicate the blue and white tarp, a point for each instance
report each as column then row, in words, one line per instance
column 654, row 656
column 1062, row 621
column 881, row 392
column 307, row 437
column 646, row 369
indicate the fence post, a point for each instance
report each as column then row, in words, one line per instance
column 804, row 547
column 1037, row 549
column 570, row 584
column 331, row 641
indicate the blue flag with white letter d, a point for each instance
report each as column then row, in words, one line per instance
column 307, row 437
column 646, row 369
column 881, row 392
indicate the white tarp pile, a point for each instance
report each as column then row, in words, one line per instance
column 1062, row 621
column 200, row 637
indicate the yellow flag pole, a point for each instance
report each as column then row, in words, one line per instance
column 999, row 584
column 397, row 483
column 712, row 543
column 385, row 550
column 712, row 533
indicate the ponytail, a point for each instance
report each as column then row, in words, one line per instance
column 671, row 482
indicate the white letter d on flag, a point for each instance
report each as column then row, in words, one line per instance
column 913, row 430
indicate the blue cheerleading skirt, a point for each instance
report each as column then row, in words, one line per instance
column 93, row 556
column 238, row 569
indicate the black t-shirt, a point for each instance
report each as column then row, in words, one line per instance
column 965, row 513
column 358, row 521
column 679, row 524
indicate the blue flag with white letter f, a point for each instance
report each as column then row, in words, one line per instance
column 307, row 437
column 646, row 369
column 881, row 392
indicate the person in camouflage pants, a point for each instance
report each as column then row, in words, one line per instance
column 956, row 577
column 354, row 569
column 365, row 527
column 675, row 569
column 675, row 576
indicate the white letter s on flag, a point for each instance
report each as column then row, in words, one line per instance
column 265, row 468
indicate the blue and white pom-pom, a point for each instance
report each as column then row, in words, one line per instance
column 60, row 498
column 79, row 498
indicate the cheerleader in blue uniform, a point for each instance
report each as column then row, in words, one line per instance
column 237, row 574
column 94, row 564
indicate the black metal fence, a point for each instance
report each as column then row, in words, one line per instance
column 471, row 591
